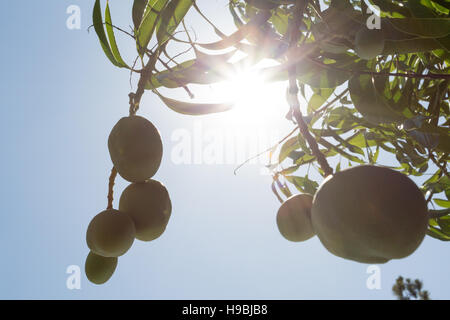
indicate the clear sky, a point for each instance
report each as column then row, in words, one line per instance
column 60, row 97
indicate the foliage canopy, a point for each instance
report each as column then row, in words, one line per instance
column 396, row 103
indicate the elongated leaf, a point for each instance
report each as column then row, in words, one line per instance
column 195, row 109
column 289, row 146
column 280, row 22
column 369, row 102
column 149, row 23
column 216, row 61
column 303, row 184
column 227, row 42
column 238, row 35
column 442, row 203
column 337, row 150
column 172, row 16
column 262, row 4
column 138, row 12
column 237, row 20
column 438, row 234
column 100, row 31
column 413, row 45
column 199, row 71
column 419, row 10
column 319, row 97
column 427, row 28
column 317, row 74
column 289, row 170
column 173, row 78
column 444, row 223
column 112, row 38
column 391, row 9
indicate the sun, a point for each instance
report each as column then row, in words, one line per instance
column 256, row 101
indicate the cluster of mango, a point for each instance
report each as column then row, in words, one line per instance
column 136, row 150
column 368, row 214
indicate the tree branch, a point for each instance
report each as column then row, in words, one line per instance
column 135, row 98
column 293, row 89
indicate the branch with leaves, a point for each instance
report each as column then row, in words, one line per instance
column 395, row 105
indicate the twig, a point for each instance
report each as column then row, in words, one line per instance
column 338, row 97
column 267, row 150
column 293, row 90
column 433, row 214
column 188, row 91
column 121, row 30
column 383, row 74
column 221, row 34
column 172, row 59
column 430, row 196
column 135, row 98
column 440, row 166
column 131, row 72
column 112, row 178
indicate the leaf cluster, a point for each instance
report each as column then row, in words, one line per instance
column 393, row 108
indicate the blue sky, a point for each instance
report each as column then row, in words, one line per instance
column 60, row 97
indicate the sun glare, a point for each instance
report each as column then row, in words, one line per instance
column 255, row 100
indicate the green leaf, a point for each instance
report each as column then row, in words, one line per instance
column 361, row 141
column 149, row 23
column 442, row 203
column 374, row 107
column 391, row 9
column 237, row 36
column 320, row 75
column 303, row 184
column 444, row 224
column 263, row 4
column 419, row 10
column 338, row 150
column 228, row 41
column 171, row 17
column 236, row 19
column 375, row 156
column 195, row 109
column 112, row 38
column 319, row 97
column 138, row 12
column 289, row 170
column 438, row 234
column 303, row 145
column 338, row 167
column 443, row 7
column 412, row 45
column 174, row 78
column 424, row 27
column 289, row 146
column 313, row 73
column 280, row 21
column 100, row 31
